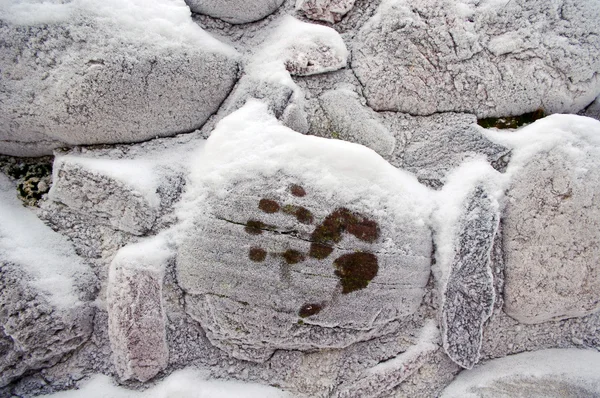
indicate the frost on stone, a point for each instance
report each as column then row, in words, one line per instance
column 45, row 311
column 432, row 146
column 277, row 243
column 292, row 48
column 552, row 219
column 127, row 188
column 136, row 315
column 350, row 121
column 83, row 72
column 325, row 10
column 488, row 58
column 465, row 239
column 383, row 377
column 235, row 11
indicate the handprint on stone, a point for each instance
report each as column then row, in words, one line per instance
column 354, row 270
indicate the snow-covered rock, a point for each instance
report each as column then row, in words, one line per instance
column 432, row 146
column 136, row 315
column 44, row 300
column 128, row 187
column 468, row 220
column 568, row 373
column 350, row 121
column 280, row 241
column 81, row 72
column 488, row 58
column 235, row 11
column 325, row 10
column 552, row 220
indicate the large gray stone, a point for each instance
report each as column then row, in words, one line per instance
column 136, row 315
column 235, row 11
column 488, row 58
column 551, row 240
column 289, row 263
column 45, row 309
column 75, row 74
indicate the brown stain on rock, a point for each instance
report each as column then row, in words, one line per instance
column 330, row 231
column 302, row 214
column 309, row 309
column 268, row 206
column 355, row 270
column 293, row 256
column 257, row 254
column 297, row 190
column 255, row 227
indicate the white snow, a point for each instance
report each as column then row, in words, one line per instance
column 157, row 22
column 451, row 200
column 579, row 368
column 150, row 253
column 186, row 383
column 251, row 142
column 46, row 257
column 134, row 173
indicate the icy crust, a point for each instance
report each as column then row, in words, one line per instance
column 551, row 224
column 567, row 373
column 119, row 71
column 44, row 309
column 189, row 382
column 270, row 284
column 235, row 11
column 488, row 58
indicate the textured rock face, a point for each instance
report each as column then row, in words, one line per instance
column 81, row 78
column 44, row 301
column 136, row 316
column 325, row 10
column 488, row 58
column 468, row 294
column 280, row 262
column 552, row 242
column 235, row 11
column 350, row 121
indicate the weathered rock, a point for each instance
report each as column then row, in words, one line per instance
column 350, row 121
column 567, row 373
column 235, row 11
column 76, row 74
column 431, row 146
column 551, row 240
column 593, row 110
column 383, row 377
column 127, row 187
column 467, row 288
column 44, row 301
column 325, row 10
column 486, row 58
column 279, row 263
column 136, row 315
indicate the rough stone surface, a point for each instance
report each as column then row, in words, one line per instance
column 551, row 238
column 325, row 10
column 431, row 146
column 127, row 188
column 487, row 58
column 235, row 11
column 38, row 325
column 86, row 79
column 136, row 315
column 279, row 263
column 350, row 121
column 468, row 295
